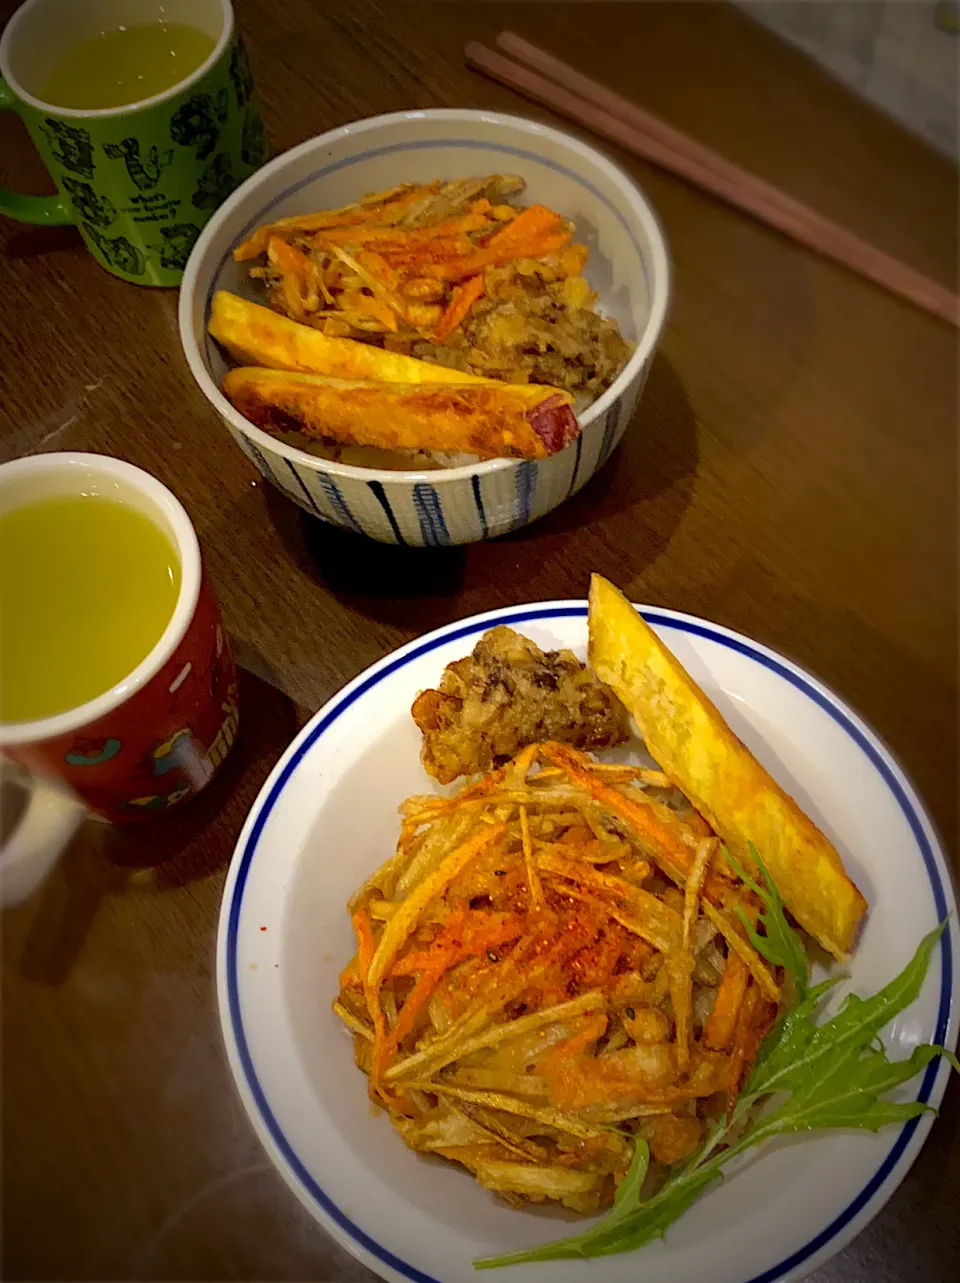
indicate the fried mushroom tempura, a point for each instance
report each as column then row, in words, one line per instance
column 507, row 694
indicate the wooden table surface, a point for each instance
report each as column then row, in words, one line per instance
column 792, row 472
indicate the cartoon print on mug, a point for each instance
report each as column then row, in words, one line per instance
column 145, row 170
column 142, row 157
column 92, row 752
column 158, row 751
column 158, row 801
column 71, row 147
column 183, row 751
column 224, row 690
column 240, row 73
column 219, row 664
column 173, row 754
column 95, row 209
column 253, row 143
column 197, row 123
column 118, row 251
column 182, row 757
column 178, row 240
column 215, row 183
column 218, row 683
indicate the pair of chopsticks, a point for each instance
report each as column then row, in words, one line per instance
column 545, row 79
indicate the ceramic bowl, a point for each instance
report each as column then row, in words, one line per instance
column 628, row 268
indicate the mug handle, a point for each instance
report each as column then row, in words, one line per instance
column 49, row 821
column 49, row 211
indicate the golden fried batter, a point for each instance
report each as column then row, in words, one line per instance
column 507, row 694
column 700, row 754
column 487, row 420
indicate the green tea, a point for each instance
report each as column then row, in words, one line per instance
column 126, row 65
column 87, row 587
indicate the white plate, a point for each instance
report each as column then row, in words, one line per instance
column 327, row 817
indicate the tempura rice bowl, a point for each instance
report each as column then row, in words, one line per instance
column 432, row 506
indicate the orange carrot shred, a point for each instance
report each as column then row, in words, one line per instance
column 488, row 936
column 658, row 832
column 415, row 1000
column 496, row 255
column 365, row 946
column 365, row 952
column 300, row 277
column 464, row 297
column 303, row 224
column 406, row 237
column 534, row 223
column 593, row 1028
column 726, row 1007
column 745, row 1042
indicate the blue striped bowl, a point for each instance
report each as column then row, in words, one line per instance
column 628, row 268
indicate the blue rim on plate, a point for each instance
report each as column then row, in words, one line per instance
column 514, row 615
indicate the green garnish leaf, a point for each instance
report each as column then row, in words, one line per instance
column 628, row 1191
column 781, row 946
column 831, row 1075
column 788, row 1039
column 817, row 1051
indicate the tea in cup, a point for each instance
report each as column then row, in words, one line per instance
column 118, row 694
column 144, row 113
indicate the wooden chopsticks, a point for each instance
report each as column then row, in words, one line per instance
column 545, row 79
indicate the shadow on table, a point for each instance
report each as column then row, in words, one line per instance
column 658, row 450
column 191, row 843
column 178, row 849
column 38, row 241
column 650, row 477
column 861, row 663
column 381, row 581
column 353, row 566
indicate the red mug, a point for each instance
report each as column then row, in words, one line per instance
column 160, row 734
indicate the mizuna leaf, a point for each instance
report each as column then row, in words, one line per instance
column 781, row 946
column 834, row 1074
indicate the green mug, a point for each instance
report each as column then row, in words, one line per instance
column 140, row 180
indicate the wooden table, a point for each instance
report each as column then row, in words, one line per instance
column 792, row 472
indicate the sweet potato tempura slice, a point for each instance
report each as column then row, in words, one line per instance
column 699, row 752
column 509, row 421
column 256, row 335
